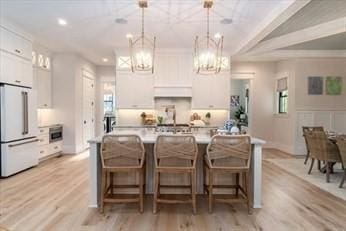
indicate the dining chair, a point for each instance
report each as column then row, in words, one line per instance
column 121, row 154
column 322, row 149
column 341, row 142
column 308, row 129
column 175, row 154
column 231, row 155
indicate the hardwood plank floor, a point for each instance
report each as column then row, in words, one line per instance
column 54, row 196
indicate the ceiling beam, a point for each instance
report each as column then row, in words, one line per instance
column 315, row 32
column 291, row 54
column 270, row 23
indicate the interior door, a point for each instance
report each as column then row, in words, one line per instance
column 88, row 110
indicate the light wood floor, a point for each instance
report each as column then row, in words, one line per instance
column 54, row 196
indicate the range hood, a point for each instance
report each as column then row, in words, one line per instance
column 172, row 91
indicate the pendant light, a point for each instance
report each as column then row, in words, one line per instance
column 142, row 49
column 208, row 50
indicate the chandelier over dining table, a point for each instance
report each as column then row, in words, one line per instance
column 208, row 50
column 142, row 49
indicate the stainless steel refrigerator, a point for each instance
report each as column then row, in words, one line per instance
column 19, row 143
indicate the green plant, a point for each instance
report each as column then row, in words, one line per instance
column 208, row 115
column 238, row 112
column 143, row 115
column 160, row 119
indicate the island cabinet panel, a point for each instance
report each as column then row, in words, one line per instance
column 135, row 91
column 211, row 91
column 173, row 69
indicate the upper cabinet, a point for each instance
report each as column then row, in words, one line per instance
column 15, row 59
column 211, row 92
column 15, row 44
column 173, row 69
column 134, row 91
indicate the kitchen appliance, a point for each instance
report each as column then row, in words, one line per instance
column 55, row 134
column 18, row 116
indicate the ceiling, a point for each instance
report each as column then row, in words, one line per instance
column 92, row 32
column 314, row 13
column 334, row 42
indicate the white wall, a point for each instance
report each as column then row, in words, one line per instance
column 261, row 97
column 67, row 98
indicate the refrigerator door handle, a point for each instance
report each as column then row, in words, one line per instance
column 25, row 112
column 27, row 142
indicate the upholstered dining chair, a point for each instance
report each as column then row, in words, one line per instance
column 175, row 154
column 121, row 154
column 341, row 142
column 308, row 129
column 232, row 155
column 322, row 149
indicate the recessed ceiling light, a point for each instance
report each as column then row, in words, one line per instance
column 120, row 20
column 105, row 60
column 217, row 35
column 62, row 22
column 128, row 35
column 226, row 21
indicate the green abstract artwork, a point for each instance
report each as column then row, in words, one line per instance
column 333, row 85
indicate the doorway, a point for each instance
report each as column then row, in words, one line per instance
column 88, row 110
column 240, row 103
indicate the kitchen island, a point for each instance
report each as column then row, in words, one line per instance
column 148, row 137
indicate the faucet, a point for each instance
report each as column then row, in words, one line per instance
column 172, row 107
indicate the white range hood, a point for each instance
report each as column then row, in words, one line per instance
column 173, row 91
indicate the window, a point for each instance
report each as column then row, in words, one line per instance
column 33, row 53
column 283, row 101
column 108, row 104
column 124, row 63
column 282, row 94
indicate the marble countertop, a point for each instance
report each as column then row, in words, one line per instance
column 150, row 137
column 50, row 126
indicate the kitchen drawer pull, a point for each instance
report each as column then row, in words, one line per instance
column 17, row 51
column 27, row 142
column 18, row 81
column 56, row 147
column 41, row 130
column 41, row 151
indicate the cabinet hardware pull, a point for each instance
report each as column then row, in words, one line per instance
column 16, row 50
column 28, row 142
column 41, row 151
column 18, row 81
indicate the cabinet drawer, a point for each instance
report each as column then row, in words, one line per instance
column 43, row 139
column 55, row 147
column 15, row 44
column 44, row 130
column 43, row 151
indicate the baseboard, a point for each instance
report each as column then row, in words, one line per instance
column 284, row 148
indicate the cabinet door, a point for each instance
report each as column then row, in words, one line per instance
column 44, row 88
column 135, row 91
column 15, row 44
column 210, row 92
column 15, row 70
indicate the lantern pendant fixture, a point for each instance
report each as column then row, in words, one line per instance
column 142, row 49
column 208, row 51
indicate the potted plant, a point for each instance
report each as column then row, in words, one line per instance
column 143, row 116
column 207, row 118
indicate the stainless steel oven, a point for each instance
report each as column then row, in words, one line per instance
column 55, row 134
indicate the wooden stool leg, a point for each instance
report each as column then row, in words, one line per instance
column 103, row 189
column 141, row 190
column 343, row 179
column 111, row 182
column 156, row 185
column 237, row 184
column 327, row 171
column 312, row 165
column 193, row 190
column 307, row 157
column 210, row 190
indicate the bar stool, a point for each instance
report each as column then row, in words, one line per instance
column 231, row 155
column 175, row 154
column 121, row 154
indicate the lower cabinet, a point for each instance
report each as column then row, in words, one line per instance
column 45, row 148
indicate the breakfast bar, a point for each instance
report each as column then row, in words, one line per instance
column 148, row 137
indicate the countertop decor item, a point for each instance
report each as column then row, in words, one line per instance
column 142, row 49
column 333, row 85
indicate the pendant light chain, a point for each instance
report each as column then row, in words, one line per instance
column 142, row 27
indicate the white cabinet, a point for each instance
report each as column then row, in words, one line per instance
column 173, row 70
column 15, row 44
column 47, row 149
column 15, row 70
column 43, row 85
column 211, row 92
column 134, row 91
